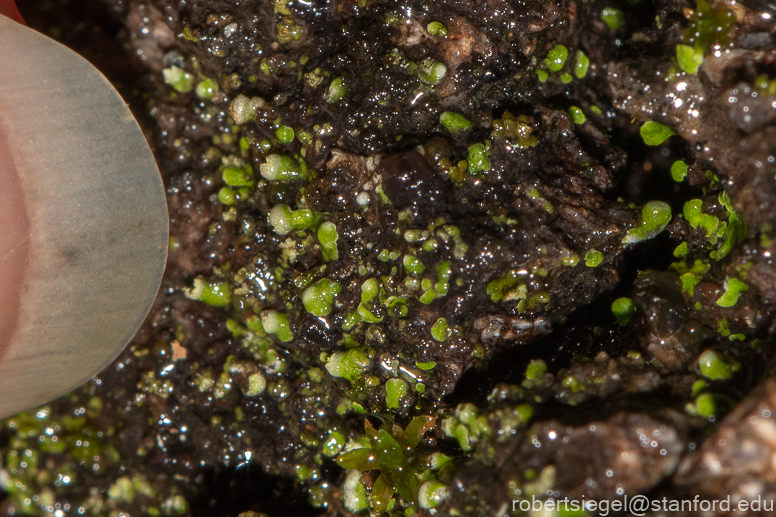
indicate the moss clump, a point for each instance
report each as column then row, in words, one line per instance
column 454, row 122
column 733, row 290
column 318, row 299
column 655, row 215
column 180, row 80
column 623, row 308
column 556, row 57
column 212, row 292
column 654, row 133
column 279, row 167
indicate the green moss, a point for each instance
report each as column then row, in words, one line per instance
column 436, row 29
column 277, row 323
column 542, row 75
column 256, row 385
column 181, row 81
column 733, row 289
column 212, row 292
column 714, row 368
column 395, row 391
column 570, row 259
column 426, row 366
column 237, row 176
column 206, row 89
column 709, row 26
column 594, row 258
column 348, row 365
column 440, row 330
column 681, row 251
column 517, row 130
column 623, row 308
column 327, row 237
column 413, row 265
column 556, row 57
column 279, row 167
column 243, row 109
column 284, row 220
column 679, row 171
column 509, row 287
column 655, row 215
column 454, row 122
column 576, row 115
column 655, row 134
column 689, row 58
column 612, row 17
column 318, row 299
column 431, row 72
column 227, row 196
column 336, row 91
column 284, row 134
column 432, row 493
column 287, row 31
column 478, row 158
column 536, row 369
column 581, row 65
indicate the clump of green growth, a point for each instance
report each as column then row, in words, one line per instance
column 593, row 258
column 709, row 26
column 280, row 167
column 440, row 330
column 654, row 133
column 454, row 122
column 679, row 171
column 612, row 17
column 395, row 391
column 655, row 215
column 576, row 115
column 180, row 80
column 431, row 72
column 284, row 134
column 623, row 309
column 413, row 265
column 436, row 29
column 238, row 176
column 733, row 290
column 336, row 91
column 284, row 220
column 327, row 237
column 212, row 292
column 206, row 89
column 704, row 404
column 535, row 195
column 681, row 251
column 689, row 58
column 348, row 365
column 371, row 291
column 393, row 454
column 287, row 30
column 478, row 159
column 733, row 231
column 318, row 299
column 517, row 130
column 690, row 276
column 276, row 323
column 509, row 287
column 542, row 75
column 243, row 109
column 714, row 368
column 581, row 64
column 556, row 57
